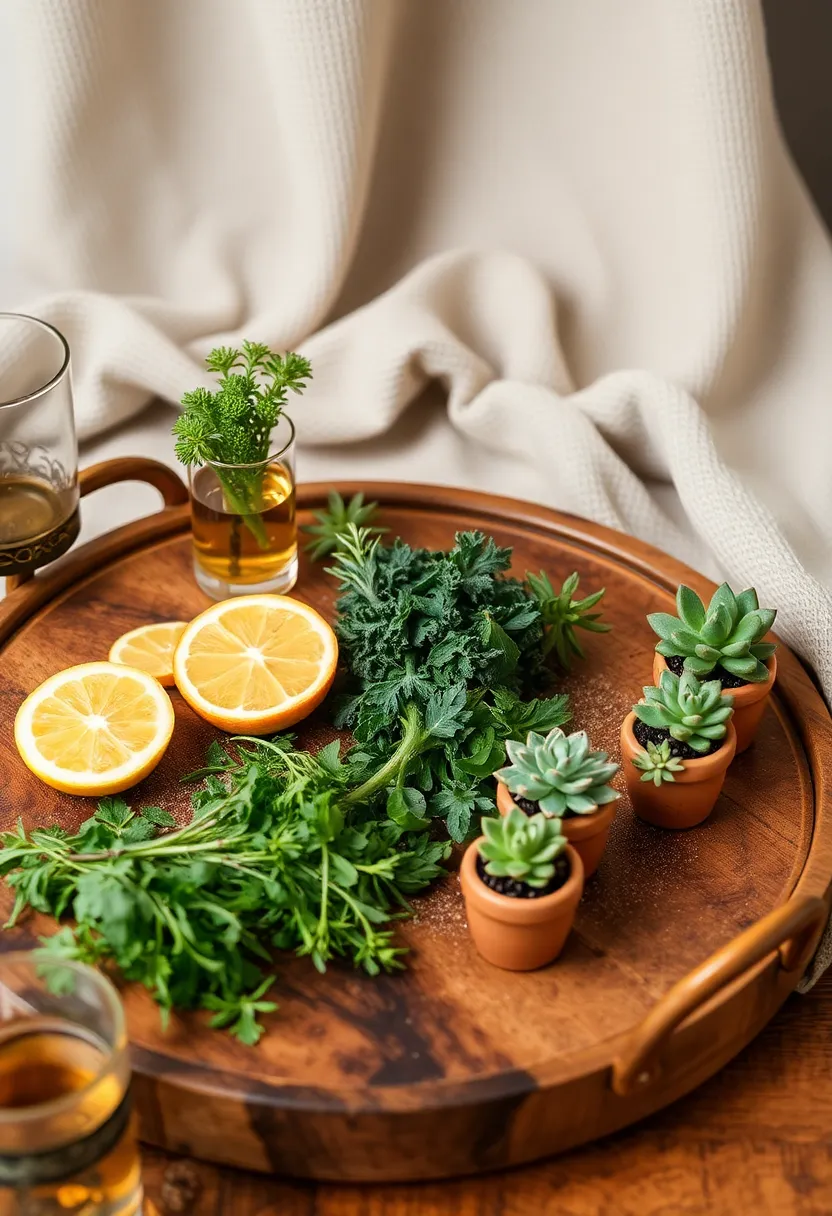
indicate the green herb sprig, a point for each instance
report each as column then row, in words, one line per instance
column 441, row 649
column 270, row 859
column 233, row 425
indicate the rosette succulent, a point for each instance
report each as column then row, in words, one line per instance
column 559, row 772
column 657, row 764
column 691, row 712
column 521, row 847
column 728, row 633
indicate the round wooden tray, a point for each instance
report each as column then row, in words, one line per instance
column 685, row 943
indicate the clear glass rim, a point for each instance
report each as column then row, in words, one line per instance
column 43, row 1110
column 59, row 374
column 258, row 464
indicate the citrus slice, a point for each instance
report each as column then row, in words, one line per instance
column 150, row 648
column 94, row 729
column 256, row 664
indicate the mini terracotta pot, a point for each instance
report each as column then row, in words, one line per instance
column 690, row 797
column 519, row 934
column 586, row 833
column 749, row 700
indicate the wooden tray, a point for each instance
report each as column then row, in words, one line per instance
column 685, row 943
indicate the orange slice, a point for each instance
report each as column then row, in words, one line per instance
column 94, row 729
column 256, row 664
column 150, row 648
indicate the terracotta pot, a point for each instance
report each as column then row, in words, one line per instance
column 519, row 934
column 690, row 797
column 749, row 701
column 586, row 833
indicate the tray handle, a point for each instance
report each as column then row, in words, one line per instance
column 124, row 468
column 135, row 468
column 791, row 930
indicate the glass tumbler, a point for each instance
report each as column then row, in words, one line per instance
column 243, row 521
column 67, row 1135
column 39, row 516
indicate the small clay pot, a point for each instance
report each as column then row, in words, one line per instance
column 690, row 797
column 749, row 700
column 519, row 934
column 586, row 833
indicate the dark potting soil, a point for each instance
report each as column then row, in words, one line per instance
column 658, row 734
column 728, row 681
column 521, row 890
column 528, row 807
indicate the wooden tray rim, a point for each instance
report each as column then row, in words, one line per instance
column 813, row 878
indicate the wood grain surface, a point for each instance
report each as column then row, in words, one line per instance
column 453, row 1067
column 755, row 1140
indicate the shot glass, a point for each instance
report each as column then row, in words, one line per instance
column 243, row 522
column 67, row 1134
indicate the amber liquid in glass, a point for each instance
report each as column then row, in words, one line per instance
column 80, row 1159
column 225, row 544
column 34, row 527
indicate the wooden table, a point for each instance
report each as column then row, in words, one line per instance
column 753, row 1141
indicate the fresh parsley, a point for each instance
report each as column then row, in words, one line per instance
column 273, row 857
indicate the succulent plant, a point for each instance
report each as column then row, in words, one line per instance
column 728, row 633
column 691, row 712
column 657, row 764
column 562, row 615
column 521, row 847
column 559, row 772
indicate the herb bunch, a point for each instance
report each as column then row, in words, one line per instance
column 271, row 858
column 233, row 425
column 441, row 648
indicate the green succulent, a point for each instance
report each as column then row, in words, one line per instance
column 657, row 764
column 691, row 712
column 559, row 772
column 728, row 633
column 561, row 615
column 521, row 847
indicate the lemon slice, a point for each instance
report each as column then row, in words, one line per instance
column 94, row 729
column 150, row 648
column 256, row 664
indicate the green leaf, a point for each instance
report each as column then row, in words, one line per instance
column 329, row 757
column 697, row 666
column 495, row 637
column 690, row 608
column 456, row 806
column 763, row 650
column 651, row 715
column 718, row 625
column 114, row 813
column 725, row 598
column 158, row 817
column 740, row 667
column 747, row 602
column 407, row 807
column 749, row 669
column 446, row 714
column 663, row 624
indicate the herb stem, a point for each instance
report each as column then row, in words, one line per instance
column 252, row 519
column 413, row 739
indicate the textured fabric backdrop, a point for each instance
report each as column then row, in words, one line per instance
column 578, row 218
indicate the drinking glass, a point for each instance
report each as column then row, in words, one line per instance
column 67, row 1134
column 39, row 516
column 243, row 521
